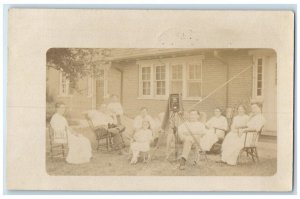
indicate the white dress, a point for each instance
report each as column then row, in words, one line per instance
column 233, row 143
column 99, row 119
column 143, row 138
column 217, row 123
column 80, row 150
column 116, row 108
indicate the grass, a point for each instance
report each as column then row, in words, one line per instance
column 112, row 164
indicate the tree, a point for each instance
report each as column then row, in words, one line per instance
column 78, row 62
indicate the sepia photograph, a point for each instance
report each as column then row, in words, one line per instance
column 161, row 112
column 150, row 100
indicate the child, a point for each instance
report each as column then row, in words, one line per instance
column 141, row 141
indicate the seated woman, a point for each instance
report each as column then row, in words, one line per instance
column 80, row 150
column 234, row 141
column 104, row 122
column 218, row 123
column 141, row 141
column 217, row 126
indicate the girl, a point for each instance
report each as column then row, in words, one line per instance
column 141, row 141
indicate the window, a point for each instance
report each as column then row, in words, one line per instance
column 64, row 84
column 146, row 81
column 258, row 77
column 181, row 75
column 160, row 80
column 194, row 80
column 176, row 85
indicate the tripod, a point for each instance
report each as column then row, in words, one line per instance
column 174, row 119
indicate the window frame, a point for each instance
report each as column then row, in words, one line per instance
column 169, row 62
column 141, row 95
column 166, row 65
column 194, row 80
column 255, row 77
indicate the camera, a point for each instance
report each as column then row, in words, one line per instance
column 174, row 104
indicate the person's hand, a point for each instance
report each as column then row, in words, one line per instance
column 241, row 132
column 75, row 133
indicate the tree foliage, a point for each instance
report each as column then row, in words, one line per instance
column 78, row 62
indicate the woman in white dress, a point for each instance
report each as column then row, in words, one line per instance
column 234, row 141
column 233, row 138
column 80, row 150
column 218, row 123
column 217, row 126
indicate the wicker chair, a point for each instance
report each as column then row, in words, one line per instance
column 102, row 134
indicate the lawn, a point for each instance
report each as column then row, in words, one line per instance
column 113, row 164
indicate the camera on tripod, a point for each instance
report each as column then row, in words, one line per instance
column 174, row 103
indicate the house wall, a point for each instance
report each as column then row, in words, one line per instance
column 240, row 88
column 114, row 82
column 76, row 103
column 213, row 75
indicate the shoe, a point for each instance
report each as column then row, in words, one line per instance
column 133, row 161
column 221, row 162
column 182, row 163
column 122, row 152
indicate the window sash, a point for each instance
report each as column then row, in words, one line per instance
column 171, row 77
column 258, row 77
column 194, row 77
column 160, row 80
column 145, row 81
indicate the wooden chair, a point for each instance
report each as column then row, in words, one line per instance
column 250, row 145
column 57, row 149
column 102, row 134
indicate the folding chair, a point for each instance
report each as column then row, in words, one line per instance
column 58, row 143
column 250, row 145
column 101, row 134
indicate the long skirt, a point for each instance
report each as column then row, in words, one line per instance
column 80, row 150
column 208, row 140
column 231, row 147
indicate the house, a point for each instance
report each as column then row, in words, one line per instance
column 208, row 78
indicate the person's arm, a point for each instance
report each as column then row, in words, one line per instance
column 182, row 131
column 136, row 123
column 120, row 110
column 256, row 124
column 222, row 125
column 209, row 123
